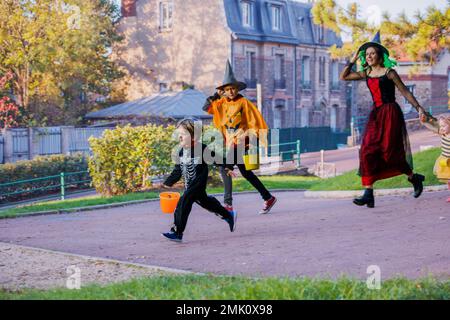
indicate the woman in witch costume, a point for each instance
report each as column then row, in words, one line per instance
column 385, row 150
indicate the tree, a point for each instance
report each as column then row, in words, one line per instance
column 58, row 53
column 9, row 111
column 423, row 38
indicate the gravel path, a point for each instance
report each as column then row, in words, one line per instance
column 26, row 267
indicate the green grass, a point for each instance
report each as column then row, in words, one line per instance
column 271, row 183
column 423, row 164
column 237, row 288
column 76, row 203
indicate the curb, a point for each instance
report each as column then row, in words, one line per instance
column 105, row 260
column 380, row 192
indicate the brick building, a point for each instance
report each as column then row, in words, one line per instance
column 271, row 42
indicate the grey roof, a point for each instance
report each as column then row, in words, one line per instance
column 298, row 26
column 169, row 104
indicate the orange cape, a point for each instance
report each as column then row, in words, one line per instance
column 238, row 118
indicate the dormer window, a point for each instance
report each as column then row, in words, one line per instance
column 247, row 13
column 321, row 33
column 276, row 18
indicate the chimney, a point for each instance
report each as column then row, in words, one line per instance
column 128, row 8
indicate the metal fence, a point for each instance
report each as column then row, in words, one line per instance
column 312, row 139
column 20, row 144
column 49, row 140
column 79, row 138
column 26, row 143
column 55, row 186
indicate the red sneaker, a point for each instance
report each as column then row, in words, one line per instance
column 268, row 205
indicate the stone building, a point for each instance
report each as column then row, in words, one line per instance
column 271, row 42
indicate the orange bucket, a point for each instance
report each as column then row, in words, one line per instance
column 168, row 201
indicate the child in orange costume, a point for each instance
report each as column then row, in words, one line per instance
column 237, row 118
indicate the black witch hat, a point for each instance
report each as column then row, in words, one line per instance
column 376, row 41
column 229, row 78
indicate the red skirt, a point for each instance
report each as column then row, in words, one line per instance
column 385, row 151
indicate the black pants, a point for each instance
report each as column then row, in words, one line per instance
column 232, row 157
column 186, row 201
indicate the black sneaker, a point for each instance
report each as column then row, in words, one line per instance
column 232, row 221
column 173, row 236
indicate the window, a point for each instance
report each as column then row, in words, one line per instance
column 247, row 14
column 279, row 82
column 411, row 89
column 162, row 87
column 322, row 70
column 276, row 18
column 279, row 66
column 165, row 15
column 278, row 113
column 250, row 65
column 334, row 75
column 306, row 72
column 320, row 32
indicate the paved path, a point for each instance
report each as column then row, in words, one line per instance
column 300, row 237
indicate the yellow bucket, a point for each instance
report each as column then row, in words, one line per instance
column 251, row 161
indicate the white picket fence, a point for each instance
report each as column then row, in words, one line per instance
column 27, row 143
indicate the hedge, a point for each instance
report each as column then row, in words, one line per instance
column 126, row 158
column 41, row 166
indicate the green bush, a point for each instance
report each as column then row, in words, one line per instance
column 124, row 159
column 41, row 166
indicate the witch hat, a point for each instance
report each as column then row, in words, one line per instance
column 376, row 41
column 229, row 78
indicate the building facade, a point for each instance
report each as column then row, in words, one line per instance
column 273, row 43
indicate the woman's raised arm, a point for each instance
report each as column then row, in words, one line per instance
column 348, row 75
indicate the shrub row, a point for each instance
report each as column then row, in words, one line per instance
column 42, row 166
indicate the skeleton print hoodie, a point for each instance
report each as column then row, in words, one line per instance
column 192, row 164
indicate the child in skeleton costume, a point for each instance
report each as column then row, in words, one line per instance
column 192, row 163
column 385, row 150
column 441, row 126
column 237, row 118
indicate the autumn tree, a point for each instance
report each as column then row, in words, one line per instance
column 423, row 37
column 59, row 54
